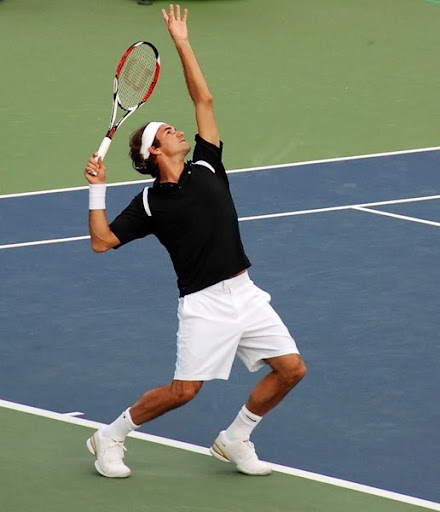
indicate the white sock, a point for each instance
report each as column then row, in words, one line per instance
column 121, row 427
column 243, row 425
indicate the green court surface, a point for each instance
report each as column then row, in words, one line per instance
column 45, row 466
column 292, row 81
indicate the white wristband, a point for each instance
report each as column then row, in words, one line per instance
column 97, row 196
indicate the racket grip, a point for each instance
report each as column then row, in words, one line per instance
column 103, row 148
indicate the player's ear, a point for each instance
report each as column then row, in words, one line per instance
column 154, row 150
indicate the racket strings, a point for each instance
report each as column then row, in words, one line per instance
column 136, row 76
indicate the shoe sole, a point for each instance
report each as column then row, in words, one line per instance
column 93, row 449
column 266, row 472
column 218, row 453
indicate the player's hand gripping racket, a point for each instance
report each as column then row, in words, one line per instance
column 135, row 81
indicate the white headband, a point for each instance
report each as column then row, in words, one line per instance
column 148, row 137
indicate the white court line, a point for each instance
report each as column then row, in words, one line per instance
column 340, row 159
column 71, row 189
column 248, row 169
column 205, row 451
column 45, row 242
column 254, row 217
column 339, row 208
column 397, row 216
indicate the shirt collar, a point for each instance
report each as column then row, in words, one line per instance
column 170, row 186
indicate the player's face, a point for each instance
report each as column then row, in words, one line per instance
column 172, row 142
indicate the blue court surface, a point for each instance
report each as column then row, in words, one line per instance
column 349, row 250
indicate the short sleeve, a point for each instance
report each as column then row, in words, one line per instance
column 133, row 222
column 211, row 154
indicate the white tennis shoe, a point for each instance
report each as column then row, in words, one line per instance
column 241, row 453
column 109, row 455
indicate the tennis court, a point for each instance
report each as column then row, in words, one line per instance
column 347, row 245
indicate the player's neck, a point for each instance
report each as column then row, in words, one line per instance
column 170, row 169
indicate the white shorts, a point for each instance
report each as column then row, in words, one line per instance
column 233, row 317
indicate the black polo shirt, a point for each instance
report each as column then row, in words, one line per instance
column 195, row 220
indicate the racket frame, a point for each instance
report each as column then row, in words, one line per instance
column 106, row 141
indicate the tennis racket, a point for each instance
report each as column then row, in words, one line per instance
column 135, row 80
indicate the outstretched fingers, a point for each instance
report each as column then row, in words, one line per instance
column 168, row 16
column 178, row 17
column 171, row 15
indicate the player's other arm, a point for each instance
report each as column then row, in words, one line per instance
column 196, row 83
column 102, row 237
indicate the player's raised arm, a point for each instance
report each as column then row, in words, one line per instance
column 196, row 83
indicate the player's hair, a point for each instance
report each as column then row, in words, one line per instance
column 148, row 166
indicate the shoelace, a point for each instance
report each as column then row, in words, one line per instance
column 250, row 448
column 116, row 450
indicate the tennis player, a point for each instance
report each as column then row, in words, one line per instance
column 221, row 312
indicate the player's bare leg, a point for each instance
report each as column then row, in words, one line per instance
column 287, row 372
column 107, row 444
column 233, row 444
column 158, row 401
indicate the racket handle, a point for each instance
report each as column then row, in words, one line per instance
column 103, row 148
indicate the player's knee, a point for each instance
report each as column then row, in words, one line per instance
column 185, row 391
column 294, row 371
